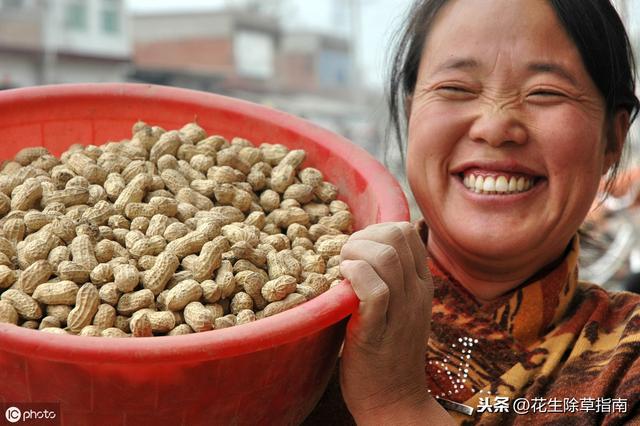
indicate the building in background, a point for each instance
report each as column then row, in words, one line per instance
column 314, row 62
column 316, row 80
column 217, row 51
column 63, row 41
column 244, row 52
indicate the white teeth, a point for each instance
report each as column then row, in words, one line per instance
column 501, row 184
column 489, row 184
column 497, row 185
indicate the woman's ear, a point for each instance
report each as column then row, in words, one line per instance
column 617, row 134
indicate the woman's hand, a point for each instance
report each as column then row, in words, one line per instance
column 382, row 372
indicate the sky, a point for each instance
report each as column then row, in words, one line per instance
column 379, row 21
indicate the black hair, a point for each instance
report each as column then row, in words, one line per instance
column 594, row 26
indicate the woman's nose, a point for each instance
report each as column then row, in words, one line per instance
column 498, row 127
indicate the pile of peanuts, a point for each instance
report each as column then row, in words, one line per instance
column 166, row 233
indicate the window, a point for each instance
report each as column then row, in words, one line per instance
column 254, row 54
column 75, row 16
column 333, row 68
column 110, row 17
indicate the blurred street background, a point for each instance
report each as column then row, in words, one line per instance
column 323, row 60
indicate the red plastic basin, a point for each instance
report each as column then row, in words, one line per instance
column 268, row 372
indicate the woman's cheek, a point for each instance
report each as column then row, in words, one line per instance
column 570, row 143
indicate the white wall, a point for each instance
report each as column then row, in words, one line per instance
column 93, row 40
column 86, row 71
column 300, row 42
column 18, row 70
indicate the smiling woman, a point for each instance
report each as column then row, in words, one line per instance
column 515, row 110
column 523, row 108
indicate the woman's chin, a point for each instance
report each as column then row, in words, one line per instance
column 494, row 247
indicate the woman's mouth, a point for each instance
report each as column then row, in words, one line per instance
column 497, row 183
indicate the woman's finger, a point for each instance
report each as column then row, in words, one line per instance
column 383, row 258
column 397, row 236
column 370, row 322
column 418, row 249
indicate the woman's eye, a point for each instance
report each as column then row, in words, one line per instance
column 455, row 92
column 546, row 97
column 546, row 93
column 454, row 89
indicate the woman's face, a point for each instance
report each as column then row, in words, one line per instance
column 506, row 134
